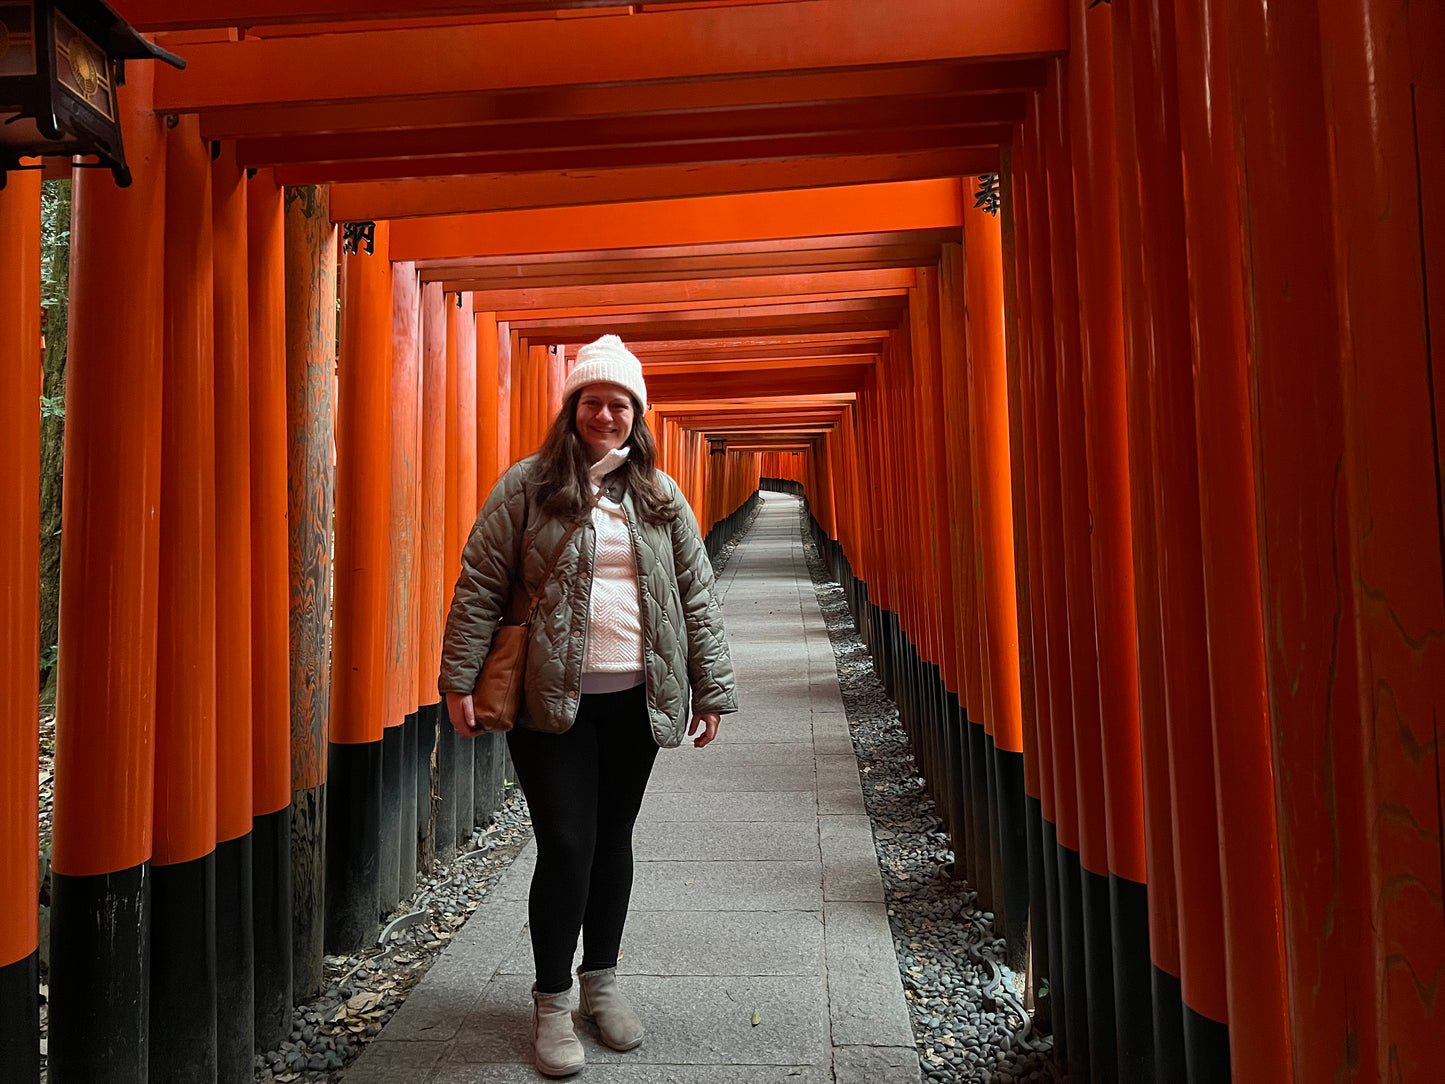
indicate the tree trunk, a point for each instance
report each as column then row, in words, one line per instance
column 55, row 296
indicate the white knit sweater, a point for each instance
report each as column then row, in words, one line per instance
column 614, row 621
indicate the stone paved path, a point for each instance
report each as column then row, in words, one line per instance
column 757, row 890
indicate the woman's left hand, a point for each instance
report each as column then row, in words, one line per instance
column 709, row 721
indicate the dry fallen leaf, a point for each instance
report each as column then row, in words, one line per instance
column 757, row 1018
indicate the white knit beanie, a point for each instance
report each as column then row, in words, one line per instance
column 607, row 361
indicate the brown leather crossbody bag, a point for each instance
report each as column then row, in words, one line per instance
column 497, row 699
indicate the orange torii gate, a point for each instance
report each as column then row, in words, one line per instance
column 1134, row 488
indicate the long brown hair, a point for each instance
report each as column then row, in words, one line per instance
column 562, row 468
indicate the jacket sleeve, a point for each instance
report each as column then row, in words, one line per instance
column 484, row 588
column 709, row 666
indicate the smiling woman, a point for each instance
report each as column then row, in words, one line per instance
column 625, row 654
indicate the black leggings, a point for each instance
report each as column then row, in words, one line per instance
column 584, row 789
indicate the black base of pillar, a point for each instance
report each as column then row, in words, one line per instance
column 1133, row 1008
column 1039, row 946
column 465, row 767
column 1013, row 851
column 353, row 842
column 957, row 812
column 20, row 1009
column 100, row 977
column 1076, row 997
column 1170, row 1062
column 488, row 788
column 406, row 832
column 1206, row 1049
column 271, row 924
column 235, row 962
column 1099, row 976
column 389, row 845
column 183, row 972
column 427, row 736
column 982, row 869
column 308, row 893
column 446, row 818
column 1053, row 902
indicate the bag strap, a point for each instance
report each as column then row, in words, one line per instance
column 536, row 599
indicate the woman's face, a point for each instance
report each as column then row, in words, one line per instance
column 604, row 418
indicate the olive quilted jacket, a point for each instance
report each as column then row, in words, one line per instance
column 685, row 651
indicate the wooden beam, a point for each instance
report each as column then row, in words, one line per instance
column 468, row 193
column 577, row 135
column 535, row 104
column 889, row 141
column 691, row 43
column 697, row 290
column 520, row 317
column 155, row 15
column 903, row 205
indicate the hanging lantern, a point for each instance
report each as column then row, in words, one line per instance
column 717, row 445
column 61, row 62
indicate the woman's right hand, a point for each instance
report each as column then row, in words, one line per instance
column 461, row 712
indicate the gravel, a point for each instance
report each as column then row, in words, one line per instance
column 362, row 991
column 968, row 1020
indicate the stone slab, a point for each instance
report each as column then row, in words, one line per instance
column 394, row 1062
column 757, row 752
column 850, row 860
column 865, row 994
column 453, row 1073
column 727, row 886
column 876, row 1065
column 711, row 943
column 726, row 841
column 771, row 805
column 689, row 1020
column 702, row 777
column 839, row 790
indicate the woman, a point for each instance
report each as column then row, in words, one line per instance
column 627, row 634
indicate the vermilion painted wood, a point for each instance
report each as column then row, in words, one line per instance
column 1038, row 747
column 624, row 99
column 20, row 386
column 270, row 590
column 1096, row 217
column 655, row 45
column 757, row 305
column 747, row 217
column 176, row 14
column 234, row 705
column 944, row 114
column 1374, row 76
column 453, row 535
column 489, row 461
column 433, row 525
column 625, row 263
column 1078, row 583
column 104, row 752
column 454, row 192
column 696, row 292
column 1249, row 856
column 953, row 346
column 400, row 676
column 984, row 246
column 359, row 659
column 685, row 156
column 462, row 500
column 1055, row 617
column 930, row 449
column 504, row 396
column 185, row 741
column 1160, row 197
column 1153, row 737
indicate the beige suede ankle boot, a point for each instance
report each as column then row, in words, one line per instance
column 601, row 1003
column 554, row 1043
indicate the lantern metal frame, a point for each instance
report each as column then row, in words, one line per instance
column 61, row 65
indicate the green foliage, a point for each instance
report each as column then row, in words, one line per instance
column 54, row 247
column 49, row 657
column 52, row 406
